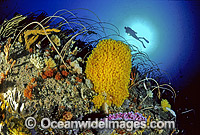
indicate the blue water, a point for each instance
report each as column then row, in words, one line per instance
column 172, row 28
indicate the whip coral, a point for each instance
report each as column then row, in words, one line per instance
column 109, row 68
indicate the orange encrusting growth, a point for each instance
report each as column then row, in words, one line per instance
column 67, row 115
column 58, row 76
column 65, row 73
column 29, row 89
column 78, row 79
column 109, row 68
column 49, row 72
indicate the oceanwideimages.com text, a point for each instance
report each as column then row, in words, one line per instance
column 46, row 123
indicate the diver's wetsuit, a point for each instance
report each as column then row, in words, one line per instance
column 133, row 34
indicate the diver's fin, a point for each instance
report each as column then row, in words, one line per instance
column 146, row 40
column 142, row 44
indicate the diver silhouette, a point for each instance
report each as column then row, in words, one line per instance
column 132, row 33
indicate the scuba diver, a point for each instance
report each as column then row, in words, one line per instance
column 132, row 33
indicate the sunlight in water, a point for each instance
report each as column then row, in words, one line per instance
column 143, row 29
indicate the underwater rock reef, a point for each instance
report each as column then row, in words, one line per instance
column 66, row 68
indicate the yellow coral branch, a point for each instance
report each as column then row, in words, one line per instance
column 35, row 34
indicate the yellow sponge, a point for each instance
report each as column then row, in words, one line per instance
column 109, row 68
